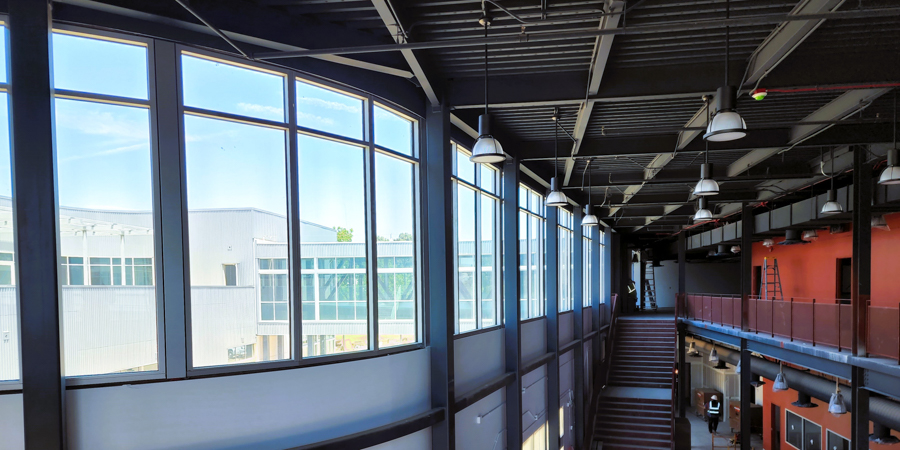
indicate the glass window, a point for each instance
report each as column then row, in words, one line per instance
column 532, row 232
column 216, row 85
column 794, row 430
column 333, row 203
column 587, row 266
column 9, row 321
column 106, row 206
column 99, row 66
column 394, row 131
column 812, row 436
column 837, row 442
column 489, row 272
column 465, row 245
column 395, row 212
column 566, row 267
column 237, row 203
column 325, row 109
column 465, row 169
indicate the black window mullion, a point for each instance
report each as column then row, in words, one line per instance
column 293, row 208
column 371, row 232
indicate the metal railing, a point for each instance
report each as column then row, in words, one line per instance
column 809, row 320
column 603, row 370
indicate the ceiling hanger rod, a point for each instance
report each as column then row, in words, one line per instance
column 524, row 38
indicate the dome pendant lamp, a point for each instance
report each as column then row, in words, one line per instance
column 831, row 206
column 891, row 174
column 486, row 149
column 714, row 355
column 836, row 404
column 556, row 196
column 727, row 124
column 780, row 382
column 589, row 219
column 703, row 213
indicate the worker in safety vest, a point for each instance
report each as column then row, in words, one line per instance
column 714, row 412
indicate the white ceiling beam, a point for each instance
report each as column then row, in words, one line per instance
column 396, row 30
column 602, row 47
column 786, row 38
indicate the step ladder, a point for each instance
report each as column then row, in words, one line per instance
column 771, row 281
column 649, row 294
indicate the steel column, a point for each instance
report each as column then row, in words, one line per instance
column 859, row 409
column 862, row 249
column 746, row 286
column 552, row 292
column 682, row 364
column 35, row 209
column 578, row 326
column 438, row 226
column 511, row 311
column 599, row 260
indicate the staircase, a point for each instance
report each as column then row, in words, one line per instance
column 636, row 409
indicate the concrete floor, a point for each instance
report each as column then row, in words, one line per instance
column 701, row 439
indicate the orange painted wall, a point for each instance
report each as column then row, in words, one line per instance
column 818, row 415
column 809, row 270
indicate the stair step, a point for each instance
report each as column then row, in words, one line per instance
column 638, row 406
column 656, row 401
column 617, row 446
column 602, row 418
column 631, row 433
column 630, row 425
column 611, row 441
column 664, row 378
column 641, row 385
column 612, row 410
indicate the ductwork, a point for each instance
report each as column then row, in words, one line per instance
column 881, row 410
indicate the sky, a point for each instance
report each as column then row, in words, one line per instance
column 104, row 153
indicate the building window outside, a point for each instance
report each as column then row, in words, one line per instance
column 566, row 264
column 587, row 263
column 601, row 284
column 532, row 253
column 9, row 341
column 476, row 213
column 801, row 433
column 103, row 111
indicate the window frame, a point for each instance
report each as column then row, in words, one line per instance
column 479, row 190
column 171, row 90
column 292, row 131
column 565, row 266
column 532, row 212
column 153, row 111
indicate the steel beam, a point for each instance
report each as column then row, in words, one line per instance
column 439, row 235
column 511, row 311
column 395, row 28
column 746, row 390
column 786, row 38
column 36, row 215
column 552, row 291
column 862, row 250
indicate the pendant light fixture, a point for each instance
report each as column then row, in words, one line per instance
column 714, row 355
column 692, row 349
column 831, row 205
column 780, row 382
column 879, row 223
column 589, row 219
column 768, row 243
column 737, row 369
column 810, row 236
column 556, row 196
column 891, row 174
column 706, row 185
column 486, row 149
column 703, row 213
column 727, row 124
column 836, row 404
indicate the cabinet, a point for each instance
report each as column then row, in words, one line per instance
column 756, row 417
column 701, row 399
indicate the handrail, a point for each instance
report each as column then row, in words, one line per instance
column 679, row 299
column 808, row 320
column 603, row 371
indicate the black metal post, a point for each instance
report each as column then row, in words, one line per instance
column 859, row 410
column 683, row 382
column 35, row 209
column 746, row 285
column 552, row 288
column 862, row 249
column 578, row 327
column 439, row 232
column 511, row 311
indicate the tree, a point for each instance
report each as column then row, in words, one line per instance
column 381, row 239
column 404, row 237
column 344, row 234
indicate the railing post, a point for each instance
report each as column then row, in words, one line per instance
column 838, row 325
column 791, row 320
column 772, row 317
column 814, row 322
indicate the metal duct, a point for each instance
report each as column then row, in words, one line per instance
column 881, row 410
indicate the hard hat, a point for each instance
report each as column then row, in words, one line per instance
column 715, row 397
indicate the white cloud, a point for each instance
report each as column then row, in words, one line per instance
column 336, row 106
column 112, row 151
column 267, row 110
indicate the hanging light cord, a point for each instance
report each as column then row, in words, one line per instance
column 556, row 149
column 485, row 64
column 727, row 29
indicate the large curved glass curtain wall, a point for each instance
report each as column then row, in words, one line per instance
column 301, row 232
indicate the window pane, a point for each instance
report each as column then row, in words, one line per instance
column 488, row 178
column 465, row 169
column 327, row 110
column 395, row 207
column 488, row 280
column 523, row 265
column 228, row 88
column 465, row 245
column 333, row 222
column 794, row 431
column 9, row 320
column 99, row 66
column 812, row 436
column 393, row 131
column 237, row 197
column 3, row 78
column 104, row 171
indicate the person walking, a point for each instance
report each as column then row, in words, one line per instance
column 714, row 412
